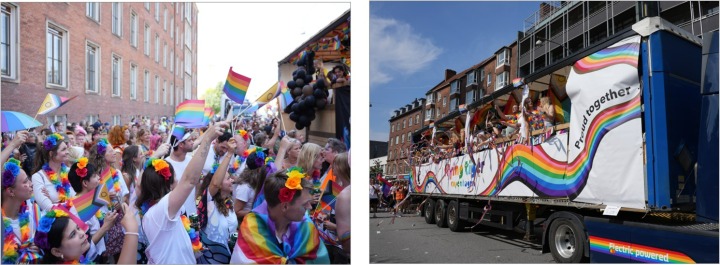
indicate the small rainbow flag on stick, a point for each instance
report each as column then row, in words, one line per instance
column 89, row 203
column 53, row 102
column 236, row 86
column 190, row 113
column 178, row 132
column 286, row 97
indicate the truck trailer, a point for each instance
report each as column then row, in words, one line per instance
column 630, row 173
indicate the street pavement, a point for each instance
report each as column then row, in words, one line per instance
column 410, row 240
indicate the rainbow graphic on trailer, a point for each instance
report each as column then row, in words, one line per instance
column 637, row 252
column 623, row 54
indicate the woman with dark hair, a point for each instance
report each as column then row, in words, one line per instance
column 248, row 185
column 18, row 217
column 132, row 160
column 84, row 178
column 217, row 218
column 51, row 173
column 62, row 237
column 170, row 239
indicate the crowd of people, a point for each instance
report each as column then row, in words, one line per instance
column 528, row 124
column 237, row 191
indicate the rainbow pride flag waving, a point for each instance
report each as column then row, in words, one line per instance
column 236, row 86
column 191, row 113
column 53, row 102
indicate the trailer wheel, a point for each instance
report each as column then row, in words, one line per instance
column 430, row 211
column 567, row 241
column 453, row 217
column 441, row 213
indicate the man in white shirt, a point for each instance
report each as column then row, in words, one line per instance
column 179, row 159
column 217, row 151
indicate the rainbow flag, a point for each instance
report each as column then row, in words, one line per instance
column 479, row 115
column 326, row 205
column 337, row 43
column 190, row 113
column 53, row 102
column 236, row 86
column 102, row 192
column 286, row 98
column 208, row 115
column 178, row 131
column 518, row 82
column 88, row 204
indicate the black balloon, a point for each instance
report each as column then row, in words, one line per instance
column 291, row 84
column 318, row 93
column 288, row 108
column 304, row 120
column 299, row 82
column 301, row 73
column 294, row 116
column 307, row 90
column 299, row 126
column 321, row 103
column 296, row 107
column 308, row 79
column 320, row 83
column 310, row 101
column 296, row 92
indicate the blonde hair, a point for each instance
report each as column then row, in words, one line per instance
column 341, row 166
column 308, row 154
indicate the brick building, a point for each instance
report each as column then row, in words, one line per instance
column 121, row 59
column 403, row 123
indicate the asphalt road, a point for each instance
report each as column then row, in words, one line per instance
column 411, row 240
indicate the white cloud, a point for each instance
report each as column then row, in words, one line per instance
column 395, row 49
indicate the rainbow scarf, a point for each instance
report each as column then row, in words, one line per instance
column 61, row 183
column 257, row 241
column 14, row 252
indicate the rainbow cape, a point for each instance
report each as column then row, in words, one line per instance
column 257, row 242
column 236, row 86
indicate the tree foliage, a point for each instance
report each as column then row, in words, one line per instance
column 212, row 97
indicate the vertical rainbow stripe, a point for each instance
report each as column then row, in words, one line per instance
column 549, row 177
column 637, row 252
column 190, row 113
column 178, row 132
column 236, row 86
column 622, row 54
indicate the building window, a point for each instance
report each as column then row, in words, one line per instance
column 188, row 35
column 453, row 104
column 116, row 74
column 444, row 101
column 146, row 41
column 188, row 11
column 409, row 121
column 157, row 11
column 146, row 85
column 164, row 92
column 8, row 43
column 502, row 80
column 188, row 61
column 165, row 55
column 489, row 80
column 165, row 19
column 455, row 86
column 147, row 6
column 188, row 87
column 133, row 29
column 471, row 78
column 402, row 140
column 157, row 48
column 469, row 97
column 56, row 55
column 503, row 58
column 392, row 128
column 91, row 119
column 133, row 81
column 92, row 10
column 172, row 92
column 172, row 27
column 428, row 113
column 409, row 137
column 482, row 75
column 117, row 18
column 417, row 119
column 92, row 66
column 157, row 89
column 397, row 139
column 172, row 61
column 117, row 120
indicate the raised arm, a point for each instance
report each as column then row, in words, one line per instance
column 191, row 176
column 221, row 171
column 280, row 158
column 19, row 139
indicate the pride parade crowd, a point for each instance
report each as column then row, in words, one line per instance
column 233, row 192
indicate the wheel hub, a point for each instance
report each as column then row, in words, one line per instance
column 565, row 241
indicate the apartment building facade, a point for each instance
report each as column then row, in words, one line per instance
column 403, row 124
column 121, row 60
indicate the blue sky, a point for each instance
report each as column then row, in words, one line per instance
column 412, row 43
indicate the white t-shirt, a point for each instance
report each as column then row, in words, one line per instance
column 244, row 192
column 40, row 181
column 169, row 243
column 189, row 206
column 94, row 225
column 373, row 195
column 219, row 227
column 210, row 160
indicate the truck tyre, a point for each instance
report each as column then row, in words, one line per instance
column 441, row 213
column 567, row 241
column 430, row 211
column 453, row 217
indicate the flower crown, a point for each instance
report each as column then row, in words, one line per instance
column 161, row 167
column 82, row 170
column 11, row 170
column 52, row 141
column 292, row 184
column 46, row 222
column 244, row 134
column 102, row 146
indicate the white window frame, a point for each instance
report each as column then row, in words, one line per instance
column 146, row 41
column 165, row 49
column 453, row 104
column 188, row 35
column 404, row 123
column 12, row 61
column 146, row 86
column 116, row 75
column 133, row 81
column 88, row 45
column 164, row 92
column 409, row 137
column 117, row 18
column 445, row 101
column 502, row 58
column 91, row 118
column 188, row 61
column 489, row 79
column 172, row 27
column 157, row 89
column 188, row 11
column 455, row 86
column 157, row 48
column 172, row 61
column 157, row 12
column 471, row 78
column 133, row 29
column 64, row 56
column 502, row 80
column 172, row 94
column 188, row 86
column 165, row 18
column 417, row 119
column 402, row 140
column 469, row 96
column 147, row 6
column 117, row 119
column 92, row 11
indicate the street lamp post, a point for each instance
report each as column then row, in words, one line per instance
column 540, row 41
